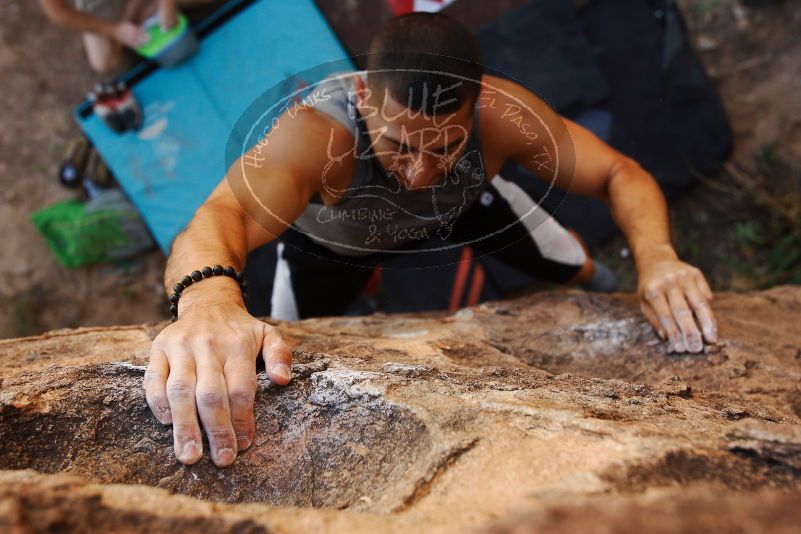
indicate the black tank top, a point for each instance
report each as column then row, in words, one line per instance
column 376, row 212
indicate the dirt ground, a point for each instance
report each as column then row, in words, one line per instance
column 753, row 54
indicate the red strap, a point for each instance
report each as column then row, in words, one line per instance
column 476, row 285
column 374, row 282
column 401, row 7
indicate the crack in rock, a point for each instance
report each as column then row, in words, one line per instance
column 777, row 443
column 425, row 483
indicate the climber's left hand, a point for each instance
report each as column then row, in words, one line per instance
column 675, row 297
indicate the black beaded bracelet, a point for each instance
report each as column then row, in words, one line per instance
column 197, row 276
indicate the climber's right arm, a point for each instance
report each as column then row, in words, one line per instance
column 204, row 363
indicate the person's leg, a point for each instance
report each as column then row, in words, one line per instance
column 507, row 223
column 311, row 281
column 103, row 54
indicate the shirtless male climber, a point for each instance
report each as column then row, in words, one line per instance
column 368, row 166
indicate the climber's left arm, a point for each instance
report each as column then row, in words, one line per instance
column 674, row 295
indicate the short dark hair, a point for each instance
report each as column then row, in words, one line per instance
column 421, row 52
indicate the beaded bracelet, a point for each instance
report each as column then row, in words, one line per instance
column 197, row 276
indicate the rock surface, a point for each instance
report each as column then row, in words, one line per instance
column 556, row 412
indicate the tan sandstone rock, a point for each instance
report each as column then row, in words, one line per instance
column 557, row 412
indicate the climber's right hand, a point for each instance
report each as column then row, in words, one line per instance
column 205, row 364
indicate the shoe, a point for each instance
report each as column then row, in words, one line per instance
column 74, row 163
column 603, row 279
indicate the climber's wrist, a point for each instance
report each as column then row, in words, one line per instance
column 208, row 287
column 217, row 292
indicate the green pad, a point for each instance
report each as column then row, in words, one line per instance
column 104, row 230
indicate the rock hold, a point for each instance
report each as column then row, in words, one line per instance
column 675, row 386
column 778, row 443
column 559, row 411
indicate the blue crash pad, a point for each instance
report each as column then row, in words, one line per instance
column 172, row 164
